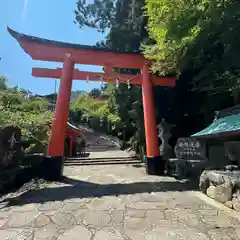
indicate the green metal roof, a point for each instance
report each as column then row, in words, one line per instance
column 220, row 126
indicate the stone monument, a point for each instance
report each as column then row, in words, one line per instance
column 190, row 158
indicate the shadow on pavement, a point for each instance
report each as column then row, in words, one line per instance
column 82, row 189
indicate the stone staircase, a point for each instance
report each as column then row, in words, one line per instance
column 101, row 150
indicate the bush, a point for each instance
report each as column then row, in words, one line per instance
column 30, row 115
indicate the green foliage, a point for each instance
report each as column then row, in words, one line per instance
column 95, row 93
column 100, row 14
column 29, row 114
column 196, row 35
column 124, row 21
column 94, row 112
column 86, row 103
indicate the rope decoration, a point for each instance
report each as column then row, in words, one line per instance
column 118, row 80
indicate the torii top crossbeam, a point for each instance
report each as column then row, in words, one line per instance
column 48, row 50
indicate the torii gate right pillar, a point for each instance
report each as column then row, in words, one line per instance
column 154, row 163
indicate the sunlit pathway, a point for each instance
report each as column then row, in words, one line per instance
column 114, row 202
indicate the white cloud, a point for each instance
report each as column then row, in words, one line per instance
column 24, row 12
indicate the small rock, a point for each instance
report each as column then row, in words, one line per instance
column 229, row 204
column 211, row 191
column 236, row 204
column 204, row 182
column 236, row 193
column 215, row 178
column 222, row 193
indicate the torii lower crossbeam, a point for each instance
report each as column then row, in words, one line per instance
column 101, row 76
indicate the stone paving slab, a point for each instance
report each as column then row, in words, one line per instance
column 114, row 203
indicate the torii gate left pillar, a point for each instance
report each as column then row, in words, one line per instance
column 154, row 163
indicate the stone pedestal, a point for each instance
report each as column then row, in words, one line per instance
column 154, row 165
column 52, row 168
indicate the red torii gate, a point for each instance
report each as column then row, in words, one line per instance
column 71, row 54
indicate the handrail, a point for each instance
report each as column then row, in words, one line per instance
column 74, row 127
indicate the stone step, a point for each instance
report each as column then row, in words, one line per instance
column 101, row 158
column 101, row 161
column 85, row 163
column 93, row 160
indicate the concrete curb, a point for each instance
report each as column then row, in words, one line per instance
column 216, row 204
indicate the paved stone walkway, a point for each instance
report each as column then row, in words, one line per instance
column 117, row 202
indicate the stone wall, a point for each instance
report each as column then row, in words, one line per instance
column 222, row 186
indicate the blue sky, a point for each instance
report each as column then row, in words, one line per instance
column 51, row 19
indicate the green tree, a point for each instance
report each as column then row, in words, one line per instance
column 95, row 93
column 124, row 21
column 196, row 35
